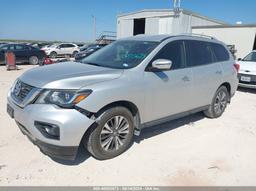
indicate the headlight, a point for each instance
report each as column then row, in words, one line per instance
column 63, row 98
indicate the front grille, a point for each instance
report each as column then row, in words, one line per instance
column 21, row 91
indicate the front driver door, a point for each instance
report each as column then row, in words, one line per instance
column 168, row 92
column 20, row 53
column 62, row 49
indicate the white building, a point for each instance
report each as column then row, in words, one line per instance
column 161, row 21
column 164, row 21
column 242, row 36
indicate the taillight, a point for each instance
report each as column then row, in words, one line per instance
column 237, row 67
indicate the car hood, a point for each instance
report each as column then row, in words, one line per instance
column 68, row 75
column 247, row 66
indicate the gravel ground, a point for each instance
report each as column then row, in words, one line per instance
column 190, row 151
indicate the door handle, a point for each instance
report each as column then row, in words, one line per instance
column 218, row 72
column 186, row 79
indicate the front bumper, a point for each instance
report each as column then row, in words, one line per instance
column 71, row 122
column 251, row 86
column 60, row 152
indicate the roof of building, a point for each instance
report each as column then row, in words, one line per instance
column 160, row 12
column 226, row 26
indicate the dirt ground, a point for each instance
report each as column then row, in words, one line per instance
column 190, row 151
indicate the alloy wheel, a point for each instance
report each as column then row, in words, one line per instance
column 114, row 133
column 220, row 102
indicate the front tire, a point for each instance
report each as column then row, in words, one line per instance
column 113, row 135
column 74, row 54
column 219, row 103
column 53, row 55
column 33, row 60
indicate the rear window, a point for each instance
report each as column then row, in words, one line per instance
column 220, row 52
column 199, row 53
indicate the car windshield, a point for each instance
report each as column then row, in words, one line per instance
column 53, row 45
column 1, row 45
column 121, row 54
column 250, row 57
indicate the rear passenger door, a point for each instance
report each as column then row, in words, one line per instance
column 207, row 73
column 70, row 48
column 169, row 92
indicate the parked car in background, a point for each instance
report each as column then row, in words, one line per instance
column 39, row 45
column 80, row 44
column 90, row 50
column 232, row 49
column 62, row 49
column 112, row 94
column 247, row 72
column 83, row 48
column 23, row 53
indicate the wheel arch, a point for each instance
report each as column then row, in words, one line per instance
column 228, row 86
column 123, row 103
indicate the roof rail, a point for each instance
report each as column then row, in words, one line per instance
column 198, row 35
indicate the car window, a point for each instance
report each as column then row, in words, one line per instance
column 70, row 46
column 250, row 57
column 62, row 46
column 220, row 52
column 173, row 51
column 32, row 48
column 199, row 53
column 27, row 47
column 5, row 47
column 19, row 47
column 11, row 47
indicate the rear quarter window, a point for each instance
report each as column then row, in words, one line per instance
column 220, row 52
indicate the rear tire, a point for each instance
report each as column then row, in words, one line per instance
column 219, row 103
column 33, row 60
column 113, row 135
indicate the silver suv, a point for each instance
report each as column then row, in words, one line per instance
column 133, row 83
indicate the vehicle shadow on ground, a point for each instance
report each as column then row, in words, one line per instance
column 168, row 126
column 147, row 133
column 246, row 90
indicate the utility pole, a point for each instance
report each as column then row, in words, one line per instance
column 176, row 7
column 94, row 27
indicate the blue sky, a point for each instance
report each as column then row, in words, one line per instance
column 71, row 20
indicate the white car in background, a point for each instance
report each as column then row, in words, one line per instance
column 62, row 49
column 247, row 72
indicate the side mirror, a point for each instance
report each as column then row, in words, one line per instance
column 239, row 59
column 162, row 64
column 58, row 47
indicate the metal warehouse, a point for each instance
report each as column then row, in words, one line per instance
column 166, row 21
column 242, row 37
column 160, row 22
